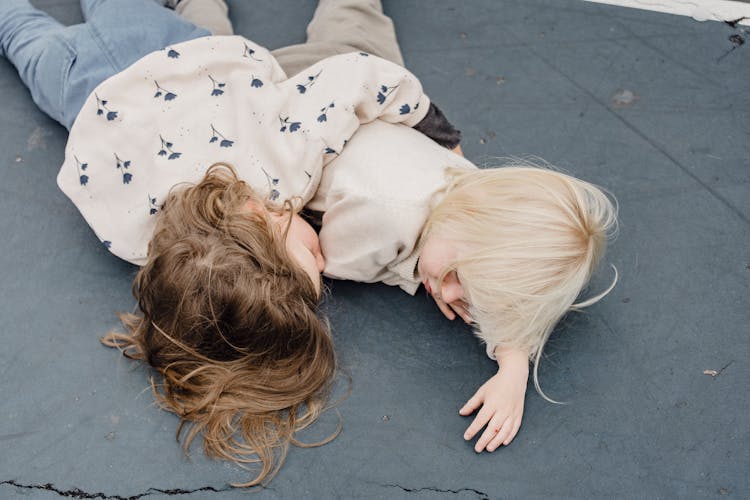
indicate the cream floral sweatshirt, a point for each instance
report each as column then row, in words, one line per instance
column 168, row 117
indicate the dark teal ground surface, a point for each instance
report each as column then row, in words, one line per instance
column 519, row 77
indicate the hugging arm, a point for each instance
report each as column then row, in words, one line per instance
column 342, row 92
column 501, row 399
column 360, row 240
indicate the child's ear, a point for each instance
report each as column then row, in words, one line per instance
column 451, row 289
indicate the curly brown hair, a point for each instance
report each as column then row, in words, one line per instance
column 231, row 324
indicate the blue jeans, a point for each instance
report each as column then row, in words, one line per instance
column 62, row 65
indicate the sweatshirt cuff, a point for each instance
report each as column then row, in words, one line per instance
column 420, row 112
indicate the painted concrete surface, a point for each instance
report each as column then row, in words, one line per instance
column 651, row 106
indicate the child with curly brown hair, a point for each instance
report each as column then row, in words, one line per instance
column 190, row 155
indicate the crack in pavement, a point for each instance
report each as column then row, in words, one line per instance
column 78, row 493
column 733, row 23
column 480, row 494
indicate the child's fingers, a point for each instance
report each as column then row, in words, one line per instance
column 501, row 436
column 447, row 311
column 495, row 427
column 467, row 318
column 471, row 405
column 513, row 432
column 460, row 311
column 479, row 421
column 461, row 308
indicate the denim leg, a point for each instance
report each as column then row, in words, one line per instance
column 36, row 45
column 89, row 6
column 61, row 65
column 116, row 34
column 127, row 30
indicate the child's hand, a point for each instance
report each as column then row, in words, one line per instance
column 457, row 307
column 501, row 399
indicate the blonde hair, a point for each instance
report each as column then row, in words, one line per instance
column 528, row 239
column 230, row 324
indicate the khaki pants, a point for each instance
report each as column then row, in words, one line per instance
column 337, row 27
column 341, row 26
column 209, row 14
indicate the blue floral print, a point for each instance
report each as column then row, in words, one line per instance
column 406, row 109
column 330, row 151
column 101, row 107
column 123, row 166
column 323, row 112
column 173, row 54
column 286, row 124
column 217, row 87
column 385, row 91
column 256, row 82
column 107, row 244
column 250, row 53
column 152, row 206
column 166, row 149
column 81, row 167
column 161, row 91
column 273, row 193
column 311, row 79
column 215, row 134
column 364, row 54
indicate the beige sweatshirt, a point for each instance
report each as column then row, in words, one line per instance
column 377, row 195
column 172, row 114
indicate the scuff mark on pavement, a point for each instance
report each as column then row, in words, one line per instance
column 623, row 98
column 480, row 494
column 8, row 437
column 37, row 139
column 736, row 40
column 78, row 493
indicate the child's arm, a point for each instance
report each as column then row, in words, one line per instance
column 501, row 399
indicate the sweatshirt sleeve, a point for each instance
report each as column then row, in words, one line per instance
column 332, row 98
column 363, row 239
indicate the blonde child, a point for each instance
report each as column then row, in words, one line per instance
column 230, row 284
column 507, row 249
